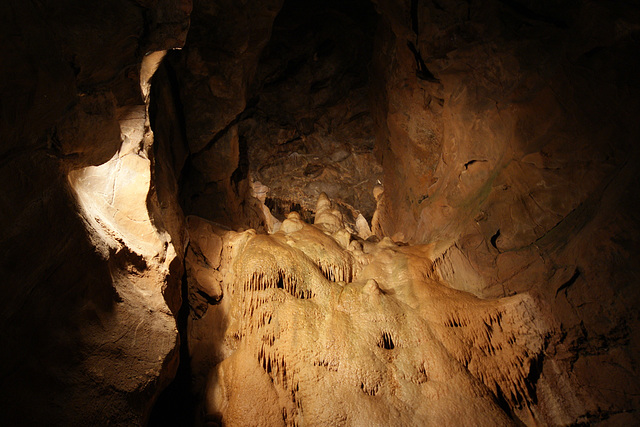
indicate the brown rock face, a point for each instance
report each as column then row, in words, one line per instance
column 213, row 73
column 506, row 132
column 480, row 251
column 311, row 130
column 90, row 258
column 506, row 135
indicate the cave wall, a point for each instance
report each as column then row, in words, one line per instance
column 213, row 73
column 507, row 133
column 90, row 250
column 310, row 129
column 277, row 97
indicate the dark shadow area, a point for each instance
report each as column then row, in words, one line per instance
column 176, row 405
column 311, row 130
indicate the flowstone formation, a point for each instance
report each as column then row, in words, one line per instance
column 314, row 326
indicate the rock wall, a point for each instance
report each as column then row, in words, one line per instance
column 310, row 129
column 507, row 135
column 283, row 104
column 505, row 132
column 213, row 74
column 91, row 248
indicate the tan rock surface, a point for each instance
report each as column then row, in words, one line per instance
column 506, row 133
column 309, row 333
column 510, row 146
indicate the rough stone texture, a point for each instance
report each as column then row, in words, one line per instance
column 310, row 130
column 506, row 133
column 213, row 73
column 283, row 105
column 513, row 146
column 90, row 273
column 312, row 327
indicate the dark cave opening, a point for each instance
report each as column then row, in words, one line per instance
column 306, row 126
column 312, row 129
column 176, row 405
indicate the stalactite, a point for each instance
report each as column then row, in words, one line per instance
column 336, row 272
column 504, row 370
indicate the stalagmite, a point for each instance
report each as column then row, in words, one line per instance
column 362, row 227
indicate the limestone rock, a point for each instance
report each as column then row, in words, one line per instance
column 362, row 227
column 284, row 105
column 317, row 334
column 504, row 133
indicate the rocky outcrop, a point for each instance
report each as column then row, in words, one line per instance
column 90, row 252
column 311, row 326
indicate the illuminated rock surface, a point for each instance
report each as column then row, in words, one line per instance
column 91, row 248
column 500, row 134
column 309, row 331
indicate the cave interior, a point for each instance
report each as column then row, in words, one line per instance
column 320, row 212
